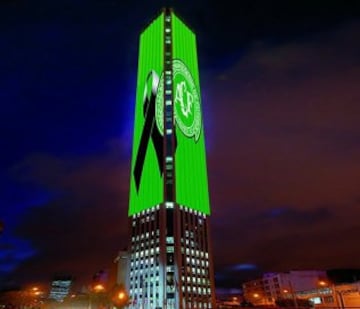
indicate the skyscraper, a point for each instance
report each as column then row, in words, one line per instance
column 170, row 254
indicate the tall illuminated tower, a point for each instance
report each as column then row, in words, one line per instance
column 170, row 254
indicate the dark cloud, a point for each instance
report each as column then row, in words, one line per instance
column 287, row 136
column 81, row 229
column 284, row 131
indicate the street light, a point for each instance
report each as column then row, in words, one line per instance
column 36, row 291
column 99, row 288
column 256, row 298
column 31, row 296
column 96, row 294
column 121, row 295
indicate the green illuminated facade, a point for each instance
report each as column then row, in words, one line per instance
column 171, row 263
column 147, row 179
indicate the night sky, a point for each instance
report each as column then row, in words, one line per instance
column 281, row 103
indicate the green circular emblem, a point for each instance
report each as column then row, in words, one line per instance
column 186, row 100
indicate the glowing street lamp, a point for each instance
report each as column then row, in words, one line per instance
column 99, row 288
column 120, row 297
column 35, row 291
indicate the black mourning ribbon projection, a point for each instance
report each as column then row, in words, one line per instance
column 150, row 129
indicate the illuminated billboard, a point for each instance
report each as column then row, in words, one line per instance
column 147, row 175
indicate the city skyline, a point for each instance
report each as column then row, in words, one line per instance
column 279, row 87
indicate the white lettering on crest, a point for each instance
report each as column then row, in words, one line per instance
column 179, row 97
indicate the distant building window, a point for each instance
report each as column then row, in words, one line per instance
column 328, row 299
column 316, row 300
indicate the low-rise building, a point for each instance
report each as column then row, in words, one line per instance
column 281, row 285
column 330, row 295
column 299, row 286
